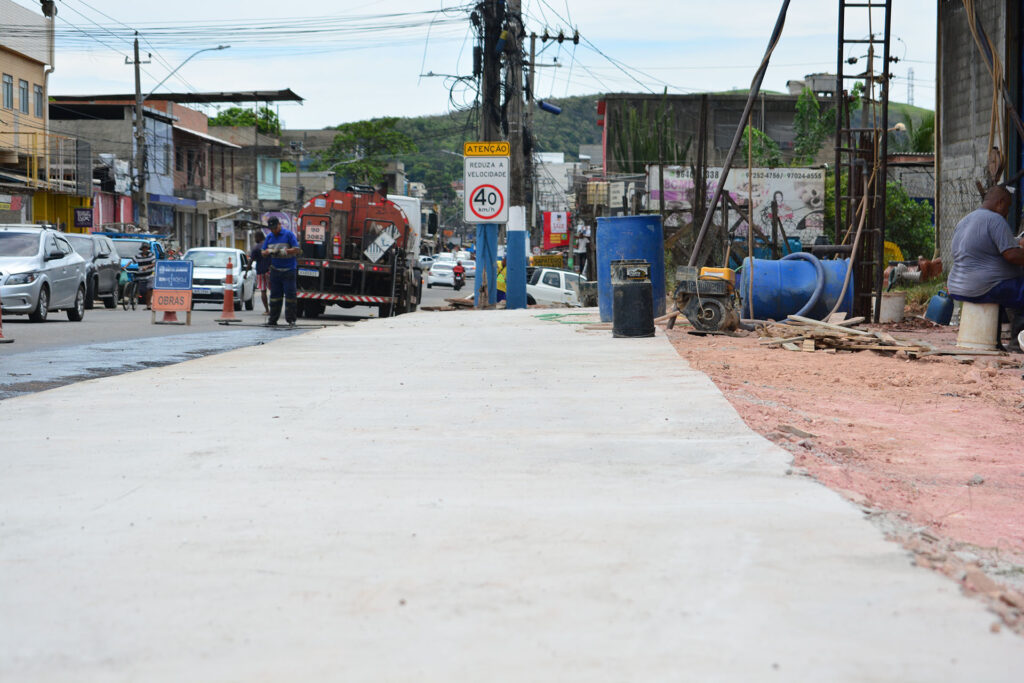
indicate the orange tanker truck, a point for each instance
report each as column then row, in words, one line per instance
column 358, row 249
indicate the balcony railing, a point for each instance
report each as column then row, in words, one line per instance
column 50, row 162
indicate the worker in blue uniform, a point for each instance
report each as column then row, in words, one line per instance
column 282, row 247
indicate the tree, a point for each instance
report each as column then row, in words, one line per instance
column 908, row 222
column 811, row 127
column 647, row 138
column 918, row 138
column 364, row 147
column 267, row 123
column 766, row 151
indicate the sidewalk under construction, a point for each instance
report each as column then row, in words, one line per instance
column 470, row 496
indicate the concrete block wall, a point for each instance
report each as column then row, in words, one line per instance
column 965, row 92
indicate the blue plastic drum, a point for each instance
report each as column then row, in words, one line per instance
column 621, row 238
column 781, row 288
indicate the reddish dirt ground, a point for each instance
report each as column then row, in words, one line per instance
column 938, row 442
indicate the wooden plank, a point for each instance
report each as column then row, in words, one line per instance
column 808, row 345
column 791, row 347
column 785, row 340
column 827, row 326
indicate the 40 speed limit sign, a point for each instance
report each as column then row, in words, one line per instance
column 486, row 188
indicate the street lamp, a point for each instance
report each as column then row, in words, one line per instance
column 140, row 129
column 187, row 59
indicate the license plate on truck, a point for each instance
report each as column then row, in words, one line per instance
column 309, row 273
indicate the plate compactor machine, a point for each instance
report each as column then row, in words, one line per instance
column 708, row 298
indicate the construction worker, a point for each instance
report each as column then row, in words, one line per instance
column 502, row 268
column 282, row 246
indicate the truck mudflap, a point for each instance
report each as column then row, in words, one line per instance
column 355, row 298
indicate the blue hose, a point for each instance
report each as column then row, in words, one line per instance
column 819, row 285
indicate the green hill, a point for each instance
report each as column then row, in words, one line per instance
column 439, row 139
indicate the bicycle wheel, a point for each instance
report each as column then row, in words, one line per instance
column 131, row 295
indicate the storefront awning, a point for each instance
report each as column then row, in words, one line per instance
column 174, row 201
column 209, row 138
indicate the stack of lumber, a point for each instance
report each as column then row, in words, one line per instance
column 805, row 334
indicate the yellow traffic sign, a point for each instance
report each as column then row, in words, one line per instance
column 485, row 149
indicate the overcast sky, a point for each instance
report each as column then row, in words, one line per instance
column 355, row 70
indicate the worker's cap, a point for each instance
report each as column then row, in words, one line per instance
column 145, row 247
column 273, row 222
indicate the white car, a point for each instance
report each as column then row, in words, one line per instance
column 470, row 266
column 209, row 270
column 445, row 257
column 441, row 274
column 552, row 286
column 425, row 261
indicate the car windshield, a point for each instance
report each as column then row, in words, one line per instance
column 210, row 259
column 128, row 248
column 19, row 244
column 81, row 243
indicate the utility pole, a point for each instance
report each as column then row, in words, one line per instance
column 493, row 16
column 298, row 149
column 514, row 99
column 532, row 210
column 141, row 196
column 490, row 79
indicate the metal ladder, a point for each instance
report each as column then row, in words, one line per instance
column 862, row 149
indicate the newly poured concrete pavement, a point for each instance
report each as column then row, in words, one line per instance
column 445, row 497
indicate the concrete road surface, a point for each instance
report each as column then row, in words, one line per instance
column 536, row 503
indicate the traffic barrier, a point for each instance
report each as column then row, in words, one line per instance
column 228, row 314
column 3, row 340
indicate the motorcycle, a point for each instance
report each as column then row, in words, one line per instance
column 460, row 280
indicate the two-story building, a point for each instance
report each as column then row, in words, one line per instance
column 108, row 124
column 43, row 177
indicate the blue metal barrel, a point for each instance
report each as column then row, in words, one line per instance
column 622, row 238
column 781, row 288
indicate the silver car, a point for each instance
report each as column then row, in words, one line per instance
column 209, row 268
column 40, row 272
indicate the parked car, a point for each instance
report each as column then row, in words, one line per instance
column 102, row 267
column 209, row 270
column 470, row 266
column 425, row 261
column 551, row 286
column 441, row 274
column 40, row 272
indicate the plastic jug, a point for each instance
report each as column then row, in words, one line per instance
column 940, row 309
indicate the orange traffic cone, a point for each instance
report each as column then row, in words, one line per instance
column 170, row 317
column 228, row 314
column 2, row 339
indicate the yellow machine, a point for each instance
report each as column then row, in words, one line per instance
column 707, row 297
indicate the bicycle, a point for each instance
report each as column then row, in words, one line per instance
column 130, row 293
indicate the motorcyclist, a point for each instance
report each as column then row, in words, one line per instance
column 460, row 274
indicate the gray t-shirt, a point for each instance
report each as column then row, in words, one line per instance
column 978, row 245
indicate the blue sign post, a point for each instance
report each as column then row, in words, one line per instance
column 172, row 291
column 175, row 275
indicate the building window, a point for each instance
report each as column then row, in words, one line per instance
column 23, row 96
column 38, row 92
column 179, row 159
column 8, row 91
